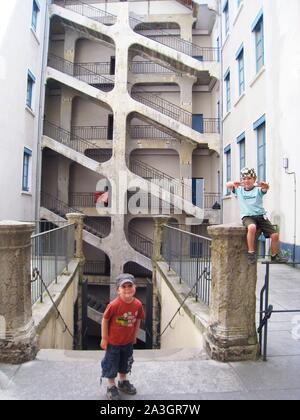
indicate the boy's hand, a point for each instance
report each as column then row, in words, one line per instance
column 263, row 185
column 237, row 184
column 104, row 343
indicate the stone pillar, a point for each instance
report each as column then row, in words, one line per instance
column 77, row 219
column 17, row 332
column 159, row 221
column 231, row 335
column 186, row 92
column 63, row 179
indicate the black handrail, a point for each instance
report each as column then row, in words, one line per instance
column 176, row 43
column 60, row 208
column 80, row 72
column 140, row 242
column 89, row 11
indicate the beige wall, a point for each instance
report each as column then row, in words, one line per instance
column 51, row 334
column 184, row 332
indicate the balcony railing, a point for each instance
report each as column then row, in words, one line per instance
column 89, row 11
column 91, row 132
column 95, row 268
column 163, row 106
column 145, row 67
column 69, row 139
column 51, row 252
column 80, row 72
column 174, row 41
column 189, row 255
column 148, row 132
column 141, row 243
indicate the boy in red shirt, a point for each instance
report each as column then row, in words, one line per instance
column 120, row 324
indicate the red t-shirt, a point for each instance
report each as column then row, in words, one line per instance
column 122, row 317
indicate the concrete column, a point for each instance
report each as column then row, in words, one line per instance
column 232, row 333
column 186, row 27
column 66, row 106
column 71, row 38
column 186, row 92
column 17, row 332
column 185, row 160
column 159, row 221
column 77, row 219
column 63, row 179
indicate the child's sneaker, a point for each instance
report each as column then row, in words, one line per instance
column 112, row 393
column 279, row 258
column 251, row 257
column 127, row 387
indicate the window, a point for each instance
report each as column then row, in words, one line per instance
column 238, row 3
column 30, row 86
column 227, row 152
column 241, row 142
column 35, row 12
column 260, row 127
column 241, row 69
column 226, row 17
column 258, row 29
column 227, row 91
column 26, row 169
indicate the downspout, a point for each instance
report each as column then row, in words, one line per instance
column 41, row 111
column 221, row 107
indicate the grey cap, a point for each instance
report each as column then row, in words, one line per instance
column 125, row 278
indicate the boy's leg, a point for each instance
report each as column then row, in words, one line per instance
column 109, row 366
column 126, row 361
column 274, row 244
column 251, row 237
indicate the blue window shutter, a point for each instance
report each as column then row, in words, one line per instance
column 257, row 20
column 259, row 122
column 241, row 137
column 227, row 148
column 239, row 51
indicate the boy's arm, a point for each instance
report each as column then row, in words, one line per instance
column 233, row 184
column 137, row 326
column 104, row 333
column 264, row 186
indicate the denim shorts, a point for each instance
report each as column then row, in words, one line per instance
column 117, row 359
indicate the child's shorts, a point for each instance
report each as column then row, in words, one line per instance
column 117, row 359
column 262, row 223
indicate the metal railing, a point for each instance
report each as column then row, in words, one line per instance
column 80, row 72
column 137, row 270
column 140, row 242
column 67, row 138
column 96, row 67
column 189, row 255
column 164, row 107
column 90, row 132
column 162, row 36
column 212, row 200
column 174, row 41
column 87, row 10
column 95, row 268
column 165, row 181
column 145, row 67
column 147, row 202
column 60, row 208
column 51, row 253
column 148, row 132
column 99, row 155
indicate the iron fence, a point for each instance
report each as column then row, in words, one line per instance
column 90, row 132
column 95, row 268
column 145, row 67
column 174, row 41
column 51, row 253
column 141, row 243
column 89, row 11
column 80, row 72
column 148, row 132
column 189, row 255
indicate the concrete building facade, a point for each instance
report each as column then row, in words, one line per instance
column 23, row 48
column 260, row 66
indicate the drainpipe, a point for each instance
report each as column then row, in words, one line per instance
column 286, row 165
column 41, row 111
column 221, row 106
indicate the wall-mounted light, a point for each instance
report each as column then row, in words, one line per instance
column 285, row 163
